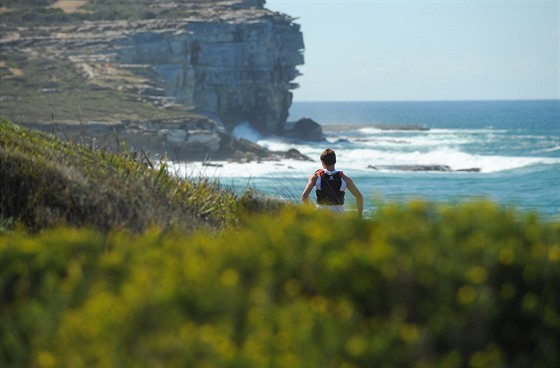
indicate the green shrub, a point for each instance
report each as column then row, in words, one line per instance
column 35, row 16
column 45, row 181
column 470, row 285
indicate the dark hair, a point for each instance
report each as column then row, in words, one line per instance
column 328, row 157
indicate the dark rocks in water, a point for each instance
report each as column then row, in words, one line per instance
column 399, row 127
column 306, row 129
column 239, row 150
column 440, row 168
column 242, row 150
column 412, row 167
column 473, row 169
column 211, row 164
column 296, row 155
column 431, row 168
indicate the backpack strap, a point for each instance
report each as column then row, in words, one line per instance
column 318, row 174
column 322, row 171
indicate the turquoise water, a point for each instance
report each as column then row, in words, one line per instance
column 514, row 146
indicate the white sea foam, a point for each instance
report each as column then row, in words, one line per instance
column 417, row 141
column 371, row 130
column 552, row 149
column 358, row 150
column 225, row 170
column 273, row 144
column 361, row 160
column 466, row 131
column 244, row 130
column 374, row 137
column 455, row 159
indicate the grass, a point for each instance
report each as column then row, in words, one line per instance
column 46, row 181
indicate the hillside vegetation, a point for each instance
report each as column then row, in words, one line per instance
column 416, row 285
column 45, row 181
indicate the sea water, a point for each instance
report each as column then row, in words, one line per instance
column 504, row 151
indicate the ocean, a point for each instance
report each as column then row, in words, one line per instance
column 444, row 152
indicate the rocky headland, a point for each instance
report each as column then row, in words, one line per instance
column 175, row 80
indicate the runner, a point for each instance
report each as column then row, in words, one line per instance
column 330, row 186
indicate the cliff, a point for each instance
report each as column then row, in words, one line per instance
column 224, row 61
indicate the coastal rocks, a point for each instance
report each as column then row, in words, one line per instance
column 473, row 169
column 244, row 151
column 294, row 154
column 240, row 150
column 205, row 140
column 191, row 139
column 306, row 129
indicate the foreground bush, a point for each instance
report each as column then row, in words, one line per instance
column 419, row 285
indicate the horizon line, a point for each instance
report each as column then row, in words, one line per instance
column 440, row 100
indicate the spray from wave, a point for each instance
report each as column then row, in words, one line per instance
column 246, row 131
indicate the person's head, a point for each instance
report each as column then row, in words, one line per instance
column 328, row 157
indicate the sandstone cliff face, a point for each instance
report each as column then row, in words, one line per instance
column 231, row 61
column 240, row 70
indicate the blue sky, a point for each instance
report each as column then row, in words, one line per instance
column 367, row 50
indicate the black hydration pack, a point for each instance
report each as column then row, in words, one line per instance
column 330, row 193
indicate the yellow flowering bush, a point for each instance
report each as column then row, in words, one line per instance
column 469, row 285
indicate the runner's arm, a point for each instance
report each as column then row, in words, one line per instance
column 356, row 193
column 308, row 188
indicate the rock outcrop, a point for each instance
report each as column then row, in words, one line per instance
column 306, row 129
column 233, row 61
column 239, row 69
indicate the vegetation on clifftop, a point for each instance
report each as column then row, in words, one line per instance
column 42, row 90
column 417, row 284
column 49, row 12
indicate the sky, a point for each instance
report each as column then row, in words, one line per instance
column 420, row 50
